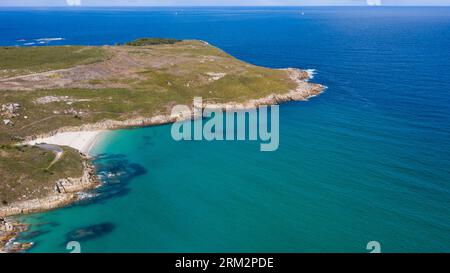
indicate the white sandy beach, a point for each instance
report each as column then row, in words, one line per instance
column 83, row 141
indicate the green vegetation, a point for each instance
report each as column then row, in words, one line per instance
column 166, row 75
column 24, row 174
column 24, row 60
column 142, row 79
column 152, row 41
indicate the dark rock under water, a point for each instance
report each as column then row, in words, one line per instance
column 90, row 232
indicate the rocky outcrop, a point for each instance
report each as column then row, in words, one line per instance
column 8, row 232
column 9, row 111
column 302, row 92
column 65, row 193
column 66, row 189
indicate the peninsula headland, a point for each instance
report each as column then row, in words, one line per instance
column 56, row 101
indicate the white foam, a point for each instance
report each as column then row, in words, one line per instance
column 86, row 195
column 48, row 40
column 311, row 73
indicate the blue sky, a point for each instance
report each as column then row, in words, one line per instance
column 215, row 2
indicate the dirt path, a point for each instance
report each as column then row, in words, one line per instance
column 55, row 149
column 95, row 75
column 124, row 64
column 38, row 121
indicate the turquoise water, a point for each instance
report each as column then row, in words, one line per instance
column 369, row 159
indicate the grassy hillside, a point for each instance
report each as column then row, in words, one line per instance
column 110, row 82
column 135, row 81
column 25, row 174
column 152, row 41
column 24, row 60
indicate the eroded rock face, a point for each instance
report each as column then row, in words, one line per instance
column 9, row 111
column 67, row 194
column 303, row 91
column 66, row 189
column 8, row 232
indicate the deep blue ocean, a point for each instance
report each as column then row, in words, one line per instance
column 367, row 160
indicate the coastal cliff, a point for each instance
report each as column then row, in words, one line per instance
column 107, row 88
column 65, row 192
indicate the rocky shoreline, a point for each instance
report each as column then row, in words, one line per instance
column 9, row 230
column 65, row 193
column 303, row 92
column 67, row 190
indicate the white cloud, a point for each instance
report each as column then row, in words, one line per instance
column 374, row 2
column 73, row 2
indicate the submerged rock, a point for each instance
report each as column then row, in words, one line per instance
column 90, row 232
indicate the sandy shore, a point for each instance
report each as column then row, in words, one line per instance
column 11, row 227
column 83, row 138
column 82, row 141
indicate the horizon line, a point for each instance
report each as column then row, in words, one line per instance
column 183, row 6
